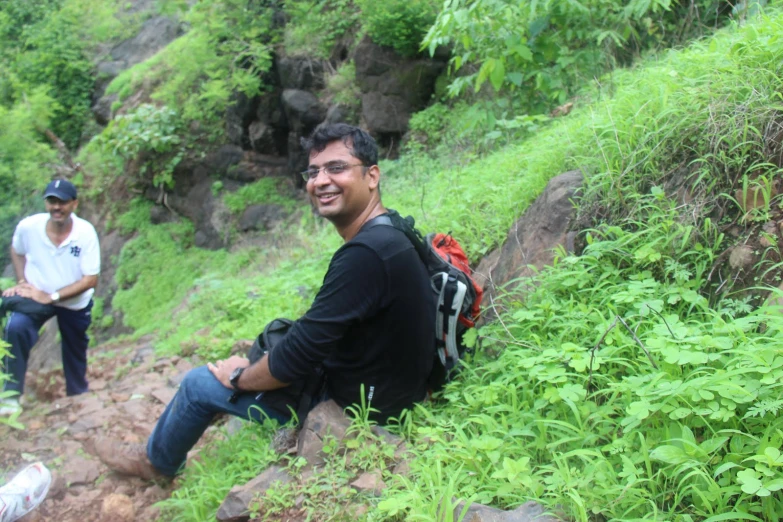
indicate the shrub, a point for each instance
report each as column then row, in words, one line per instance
column 399, row 24
column 315, row 26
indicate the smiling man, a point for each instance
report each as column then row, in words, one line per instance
column 56, row 258
column 370, row 327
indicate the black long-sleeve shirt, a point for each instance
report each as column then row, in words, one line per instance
column 371, row 324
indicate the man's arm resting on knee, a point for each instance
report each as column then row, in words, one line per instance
column 256, row 377
column 19, row 261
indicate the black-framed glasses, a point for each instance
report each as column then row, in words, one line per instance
column 331, row 169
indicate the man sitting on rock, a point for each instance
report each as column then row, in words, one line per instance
column 370, row 327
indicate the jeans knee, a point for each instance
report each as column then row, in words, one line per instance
column 195, row 383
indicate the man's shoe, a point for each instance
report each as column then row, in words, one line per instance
column 9, row 406
column 128, row 459
column 24, row 492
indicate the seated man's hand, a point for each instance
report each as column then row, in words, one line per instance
column 29, row 291
column 223, row 369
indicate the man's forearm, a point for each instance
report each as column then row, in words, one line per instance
column 19, row 263
column 80, row 286
column 257, row 377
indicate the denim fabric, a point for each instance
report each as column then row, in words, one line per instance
column 21, row 332
column 200, row 397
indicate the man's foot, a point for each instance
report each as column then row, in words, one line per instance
column 126, row 458
column 9, row 406
column 24, row 492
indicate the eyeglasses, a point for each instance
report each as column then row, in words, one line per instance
column 331, row 170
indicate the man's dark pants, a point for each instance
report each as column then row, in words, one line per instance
column 21, row 332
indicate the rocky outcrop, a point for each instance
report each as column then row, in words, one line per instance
column 532, row 240
column 392, row 87
column 155, row 34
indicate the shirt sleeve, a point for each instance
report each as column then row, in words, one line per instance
column 352, row 291
column 91, row 257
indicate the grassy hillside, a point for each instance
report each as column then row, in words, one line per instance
column 624, row 386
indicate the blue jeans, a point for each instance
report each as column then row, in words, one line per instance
column 200, row 397
column 21, row 332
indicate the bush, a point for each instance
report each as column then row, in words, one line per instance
column 315, row 26
column 545, row 50
column 399, row 24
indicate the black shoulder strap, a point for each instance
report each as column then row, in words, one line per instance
column 405, row 225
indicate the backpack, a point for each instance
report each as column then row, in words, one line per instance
column 297, row 396
column 457, row 295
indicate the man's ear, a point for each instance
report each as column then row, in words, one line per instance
column 374, row 176
column 75, row 204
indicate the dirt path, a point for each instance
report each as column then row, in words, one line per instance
column 129, row 388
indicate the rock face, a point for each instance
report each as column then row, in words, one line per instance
column 392, row 87
column 154, row 35
column 534, row 237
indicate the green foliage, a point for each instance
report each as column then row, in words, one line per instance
column 43, row 45
column 399, row 24
column 24, row 162
column 343, row 88
column 7, row 420
column 542, row 51
column 197, row 75
column 149, row 134
column 265, row 190
column 315, row 26
column 672, row 415
column 226, row 462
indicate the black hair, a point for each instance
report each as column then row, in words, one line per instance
column 361, row 144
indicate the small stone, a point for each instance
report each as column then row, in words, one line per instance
column 741, row 257
column 118, row 508
column 370, row 482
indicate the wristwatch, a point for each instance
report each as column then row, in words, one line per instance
column 234, row 379
column 54, row 297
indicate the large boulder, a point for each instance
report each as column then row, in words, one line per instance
column 393, row 87
column 300, row 72
column 532, row 240
column 303, row 110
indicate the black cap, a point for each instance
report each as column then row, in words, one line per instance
column 61, row 189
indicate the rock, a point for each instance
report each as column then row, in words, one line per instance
column 284, row 440
column 527, row 512
column 235, row 506
column 46, row 355
column 78, row 470
column 533, row 237
column 326, row 419
column 300, row 73
column 262, row 138
column 239, row 114
column 164, row 395
column 741, row 257
column 118, row 508
column 303, row 110
column 371, row 482
column 393, row 87
column 261, row 217
column 769, row 236
column 385, row 113
column 102, row 110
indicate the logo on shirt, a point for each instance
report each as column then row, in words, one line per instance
column 75, row 251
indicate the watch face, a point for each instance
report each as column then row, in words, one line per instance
column 235, row 376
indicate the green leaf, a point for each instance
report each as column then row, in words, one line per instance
column 669, row 454
column 498, row 75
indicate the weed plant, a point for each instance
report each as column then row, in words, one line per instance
column 226, row 462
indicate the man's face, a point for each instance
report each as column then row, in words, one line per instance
column 341, row 196
column 60, row 211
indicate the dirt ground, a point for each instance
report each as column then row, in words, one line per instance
column 129, row 388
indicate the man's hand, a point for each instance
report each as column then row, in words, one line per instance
column 29, row 291
column 222, row 370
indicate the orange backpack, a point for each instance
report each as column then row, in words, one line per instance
column 458, row 296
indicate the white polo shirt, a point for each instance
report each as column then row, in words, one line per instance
column 50, row 267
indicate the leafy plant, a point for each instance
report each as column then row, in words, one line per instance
column 399, row 24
